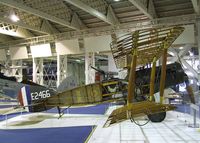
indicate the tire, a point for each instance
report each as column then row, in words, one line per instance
column 158, row 117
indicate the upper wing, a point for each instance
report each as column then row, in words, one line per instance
column 149, row 44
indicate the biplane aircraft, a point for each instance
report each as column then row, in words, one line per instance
column 134, row 50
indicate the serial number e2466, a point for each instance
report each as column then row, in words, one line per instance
column 40, row 95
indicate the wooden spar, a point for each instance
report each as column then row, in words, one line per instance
column 152, row 80
column 131, row 81
column 191, row 93
column 132, row 73
column 163, row 73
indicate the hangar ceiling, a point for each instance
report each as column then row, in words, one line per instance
column 49, row 20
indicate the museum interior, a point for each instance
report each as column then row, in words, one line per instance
column 99, row 71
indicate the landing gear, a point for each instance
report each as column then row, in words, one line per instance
column 158, row 117
column 61, row 113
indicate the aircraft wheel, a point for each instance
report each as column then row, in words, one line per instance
column 158, row 117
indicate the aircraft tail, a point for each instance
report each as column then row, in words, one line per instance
column 24, row 98
column 32, row 97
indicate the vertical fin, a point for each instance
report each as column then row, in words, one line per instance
column 24, row 98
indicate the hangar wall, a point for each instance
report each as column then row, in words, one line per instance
column 187, row 37
column 91, row 45
column 97, row 44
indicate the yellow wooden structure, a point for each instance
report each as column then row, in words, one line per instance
column 84, row 95
column 140, row 48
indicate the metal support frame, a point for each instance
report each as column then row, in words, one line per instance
column 23, row 25
column 197, row 34
column 17, row 72
column 25, row 8
column 34, row 74
column 92, row 72
column 182, row 53
column 46, row 26
column 89, row 73
column 75, row 67
column 180, row 56
column 49, row 76
column 163, row 73
column 195, row 110
column 191, row 69
column 152, row 80
column 13, row 30
column 38, row 70
column 6, row 63
column 196, row 6
column 86, row 67
column 61, row 68
column 4, row 38
column 107, row 30
column 149, row 10
column 85, row 7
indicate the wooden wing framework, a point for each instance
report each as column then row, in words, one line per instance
column 135, row 110
column 149, row 44
column 140, row 48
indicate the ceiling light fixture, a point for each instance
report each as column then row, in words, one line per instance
column 191, row 53
column 14, row 17
column 116, row 0
column 78, row 60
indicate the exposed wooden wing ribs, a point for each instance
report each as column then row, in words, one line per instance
column 136, row 110
column 140, row 48
column 149, row 44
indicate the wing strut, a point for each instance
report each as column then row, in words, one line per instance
column 152, row 80
column 61, row 113
column 163, row 72
column 131, row 81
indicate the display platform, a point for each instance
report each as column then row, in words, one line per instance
column 173, row 129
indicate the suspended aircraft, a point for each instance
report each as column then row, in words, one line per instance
column 140, row 48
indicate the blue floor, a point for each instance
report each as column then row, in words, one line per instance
column 6, row 106
column 4, row 117
column 8, row 116
column 4, row 100
column 46, row 135
column 184, row 108
column 98, row 109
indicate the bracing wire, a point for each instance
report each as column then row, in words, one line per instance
column 133, row 120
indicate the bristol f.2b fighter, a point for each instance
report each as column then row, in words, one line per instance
column 132, row 51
